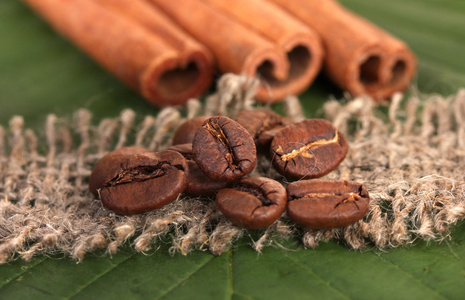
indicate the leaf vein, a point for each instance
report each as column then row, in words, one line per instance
column 242, row 295
column 201, row 266
column 100, row 276
column 311, row 272
column 231, row 278
column 29, row 267
column 410, row 275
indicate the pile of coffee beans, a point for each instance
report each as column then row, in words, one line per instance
column 212, row 156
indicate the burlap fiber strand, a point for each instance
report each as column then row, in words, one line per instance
column 411, row 162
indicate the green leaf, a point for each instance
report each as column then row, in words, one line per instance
column 330, row 271
column 42, row 73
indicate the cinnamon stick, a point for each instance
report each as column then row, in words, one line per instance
column 283, row 52
column 151, row 18
column 360, row 57
column 153, row 61
column 301, row 44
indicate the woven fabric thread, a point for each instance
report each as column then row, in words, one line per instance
column 410, row 161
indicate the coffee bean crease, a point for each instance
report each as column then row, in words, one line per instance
column 253, row 202
column 223, row 149
column 323, row 204
column 217, row 132
column 257, row 191
column 345, row 197
column 314, row 146
column 305, row 150
column 352, row 198
column 143, row 173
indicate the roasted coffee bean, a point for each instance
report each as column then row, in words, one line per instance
column 132, row 180
column 186, row 131
column 262, row 125
column 264, row 140
column 323, row 204
column 199, row 184
column 184, row 149
column 308, row 149
column 252, row 202
column 109, row 165
column 223, row 149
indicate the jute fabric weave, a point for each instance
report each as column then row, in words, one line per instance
column 411, row 160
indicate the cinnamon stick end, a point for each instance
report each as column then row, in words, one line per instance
column 176, row 80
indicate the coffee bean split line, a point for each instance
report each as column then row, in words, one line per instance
column 214, row 160
column 142, row 173
column 344, row 196
column 136, row 174
column 218, row 133
column 256, row 191
column 352, row 198
column 228, row 153
column 304, row 151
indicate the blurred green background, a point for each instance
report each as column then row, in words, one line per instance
column 41, row 73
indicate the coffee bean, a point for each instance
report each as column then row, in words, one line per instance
column 186, row 131
column 264, row 140
column 223, row 149
column 324, row 204
column 109, row 165
column 262, row 125
column 199, row 184
column 132, row 180
column 308, row 149
column 184, row 149
column 252, row 202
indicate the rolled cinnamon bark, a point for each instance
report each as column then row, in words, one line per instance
column 146, row 60
column 241, row 48
column 300, row 43
column 360, row 57
column 140, row 11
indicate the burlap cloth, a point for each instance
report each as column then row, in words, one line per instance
column 411, row 160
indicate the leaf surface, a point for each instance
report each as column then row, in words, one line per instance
column 42, row 73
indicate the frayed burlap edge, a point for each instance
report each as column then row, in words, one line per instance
column 411, row 163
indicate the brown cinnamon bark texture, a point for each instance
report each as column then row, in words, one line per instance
column 256, row 38
column 155, row 58
column 300, row 43
column 360, row 57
